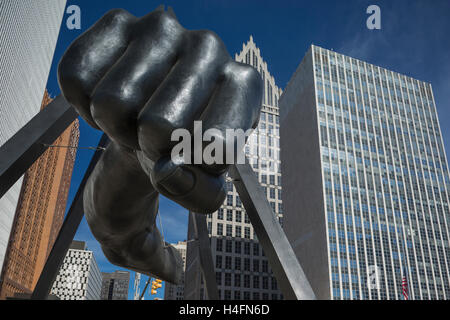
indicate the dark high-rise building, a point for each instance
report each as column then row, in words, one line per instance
column 39, row 213
column 115, row 285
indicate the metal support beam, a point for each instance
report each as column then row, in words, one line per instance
column 285, row 266
column 28, row 144
column 145, row 288
column 25, row 147
column 205, row 255
column 67, row 232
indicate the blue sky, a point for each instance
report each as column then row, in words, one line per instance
column 413, row 40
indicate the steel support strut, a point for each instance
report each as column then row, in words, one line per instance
column 29, row 143
column 289, row 274
column 67, row 232
column 25, row 147
column 205, row 255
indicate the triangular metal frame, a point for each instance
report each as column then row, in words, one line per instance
column 25, row 147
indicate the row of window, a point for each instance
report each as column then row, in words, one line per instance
column 242, row 264
column 238, row 280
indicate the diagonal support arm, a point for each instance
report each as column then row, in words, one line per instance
column 282, row 259
column 29, row 143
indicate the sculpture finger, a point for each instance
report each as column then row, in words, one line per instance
column 125, row 89
column 232, row 111
column 90, row 56
column 183, row 95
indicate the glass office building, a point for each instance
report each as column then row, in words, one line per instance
column 365, row 179
column 242, row 270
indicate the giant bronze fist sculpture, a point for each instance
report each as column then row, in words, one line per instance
column 139, row 79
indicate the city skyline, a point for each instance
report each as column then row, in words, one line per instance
column 282, row 65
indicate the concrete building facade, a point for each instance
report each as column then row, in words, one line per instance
column 79, row 277
column 115, row 285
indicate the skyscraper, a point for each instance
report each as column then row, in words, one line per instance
column 115, row 285
column 365, row 175
column 79, row 277
column 28, row 32
column 172, row 291
column 39, row 213
column 242, row 270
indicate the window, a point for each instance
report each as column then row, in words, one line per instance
column 229, row 230
column 238, row 202
column 265, row 266
column 218, row 262
column 246, row 281
column 246, row 264
column 227, row 262
column 237, row 280
column 272, row 195
column 256, row 265
column 229, row 200
column 247, row 233
column 238, row 216
column 265, row 282
column 218, row 244
column 220, row 214
column 237, row 247
column 237, row 263
column 228, row 280
column 264, row 178
column 272, row 179
column 237, row 232
column 219, row 229
column 247, row 248
column 256, row 282
column 228, row 246
column 255, row 249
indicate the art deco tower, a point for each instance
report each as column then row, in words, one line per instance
column 39, row 214
column 242, row 270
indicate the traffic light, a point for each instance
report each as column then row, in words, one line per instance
column 156, row 284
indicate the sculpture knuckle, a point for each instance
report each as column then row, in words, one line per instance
column 206, row 39
column 243, row 74
column 116, row 16
column 165, row 20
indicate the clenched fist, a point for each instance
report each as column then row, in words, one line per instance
column 138, row 80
